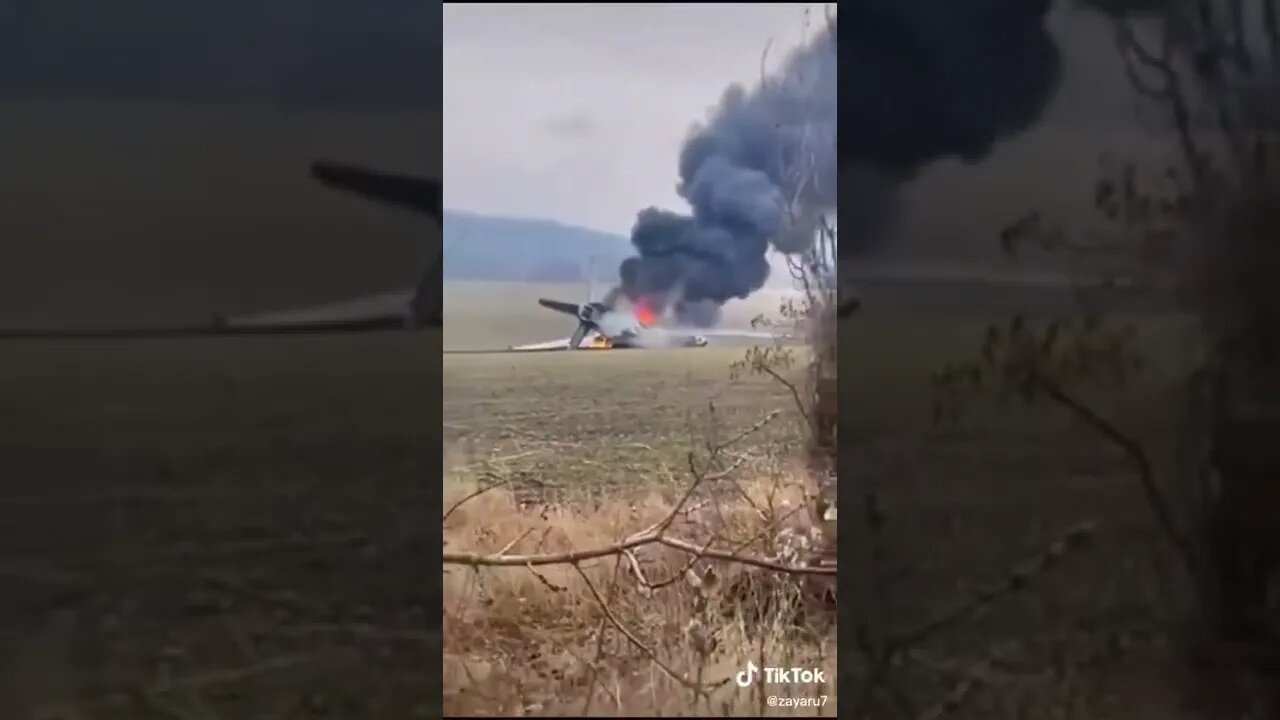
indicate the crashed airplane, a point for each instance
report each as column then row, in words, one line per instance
column 605, row 326
column 421, row 308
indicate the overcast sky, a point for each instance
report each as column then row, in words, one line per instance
column 577, row 112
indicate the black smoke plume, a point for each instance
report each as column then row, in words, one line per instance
column 739, row 172
column 921, row 79
column 927, row 79
column 924, row 80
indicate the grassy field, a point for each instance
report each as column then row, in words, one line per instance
column 235, row 527
column 617, row 408
column 965, row 506
column 242, row 516
column 586, row 446
column 245, row 516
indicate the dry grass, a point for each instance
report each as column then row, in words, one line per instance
column 969, row 513
column 597, row 638
column 210, row 508
column 221, row 529
column 579, row 452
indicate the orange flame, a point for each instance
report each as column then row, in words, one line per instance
column 644, row 312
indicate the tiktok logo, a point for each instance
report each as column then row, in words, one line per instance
column 780, row 675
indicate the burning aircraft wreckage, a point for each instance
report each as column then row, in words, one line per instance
column 737, row 172
column 404, row 311
column 758, row 174
column 618, row 323
column 952, row 79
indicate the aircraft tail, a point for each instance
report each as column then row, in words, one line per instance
column 559, row 306
column 415, row 193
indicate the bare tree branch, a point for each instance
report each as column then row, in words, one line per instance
column 630, row 636
column 653, row 535
column 469, row 497
column 1018, row 579
column 1134, row 450
column 578, row 556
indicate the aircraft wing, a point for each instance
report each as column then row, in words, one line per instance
column 414, row 193
column 916, row 274
column 549, row 346
column 215, row 328
column 678, row 333
column 943, row 273
column 390, row 304
column 561, row 344
column 379, row 313
column 755, row 334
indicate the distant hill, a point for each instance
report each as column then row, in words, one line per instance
column 484, row 247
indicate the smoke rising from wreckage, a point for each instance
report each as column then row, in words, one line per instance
column 739, row 173
column 950, row 79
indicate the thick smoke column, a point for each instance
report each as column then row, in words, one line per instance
column 757, row 173
column 922, row 80
column 927, row 79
